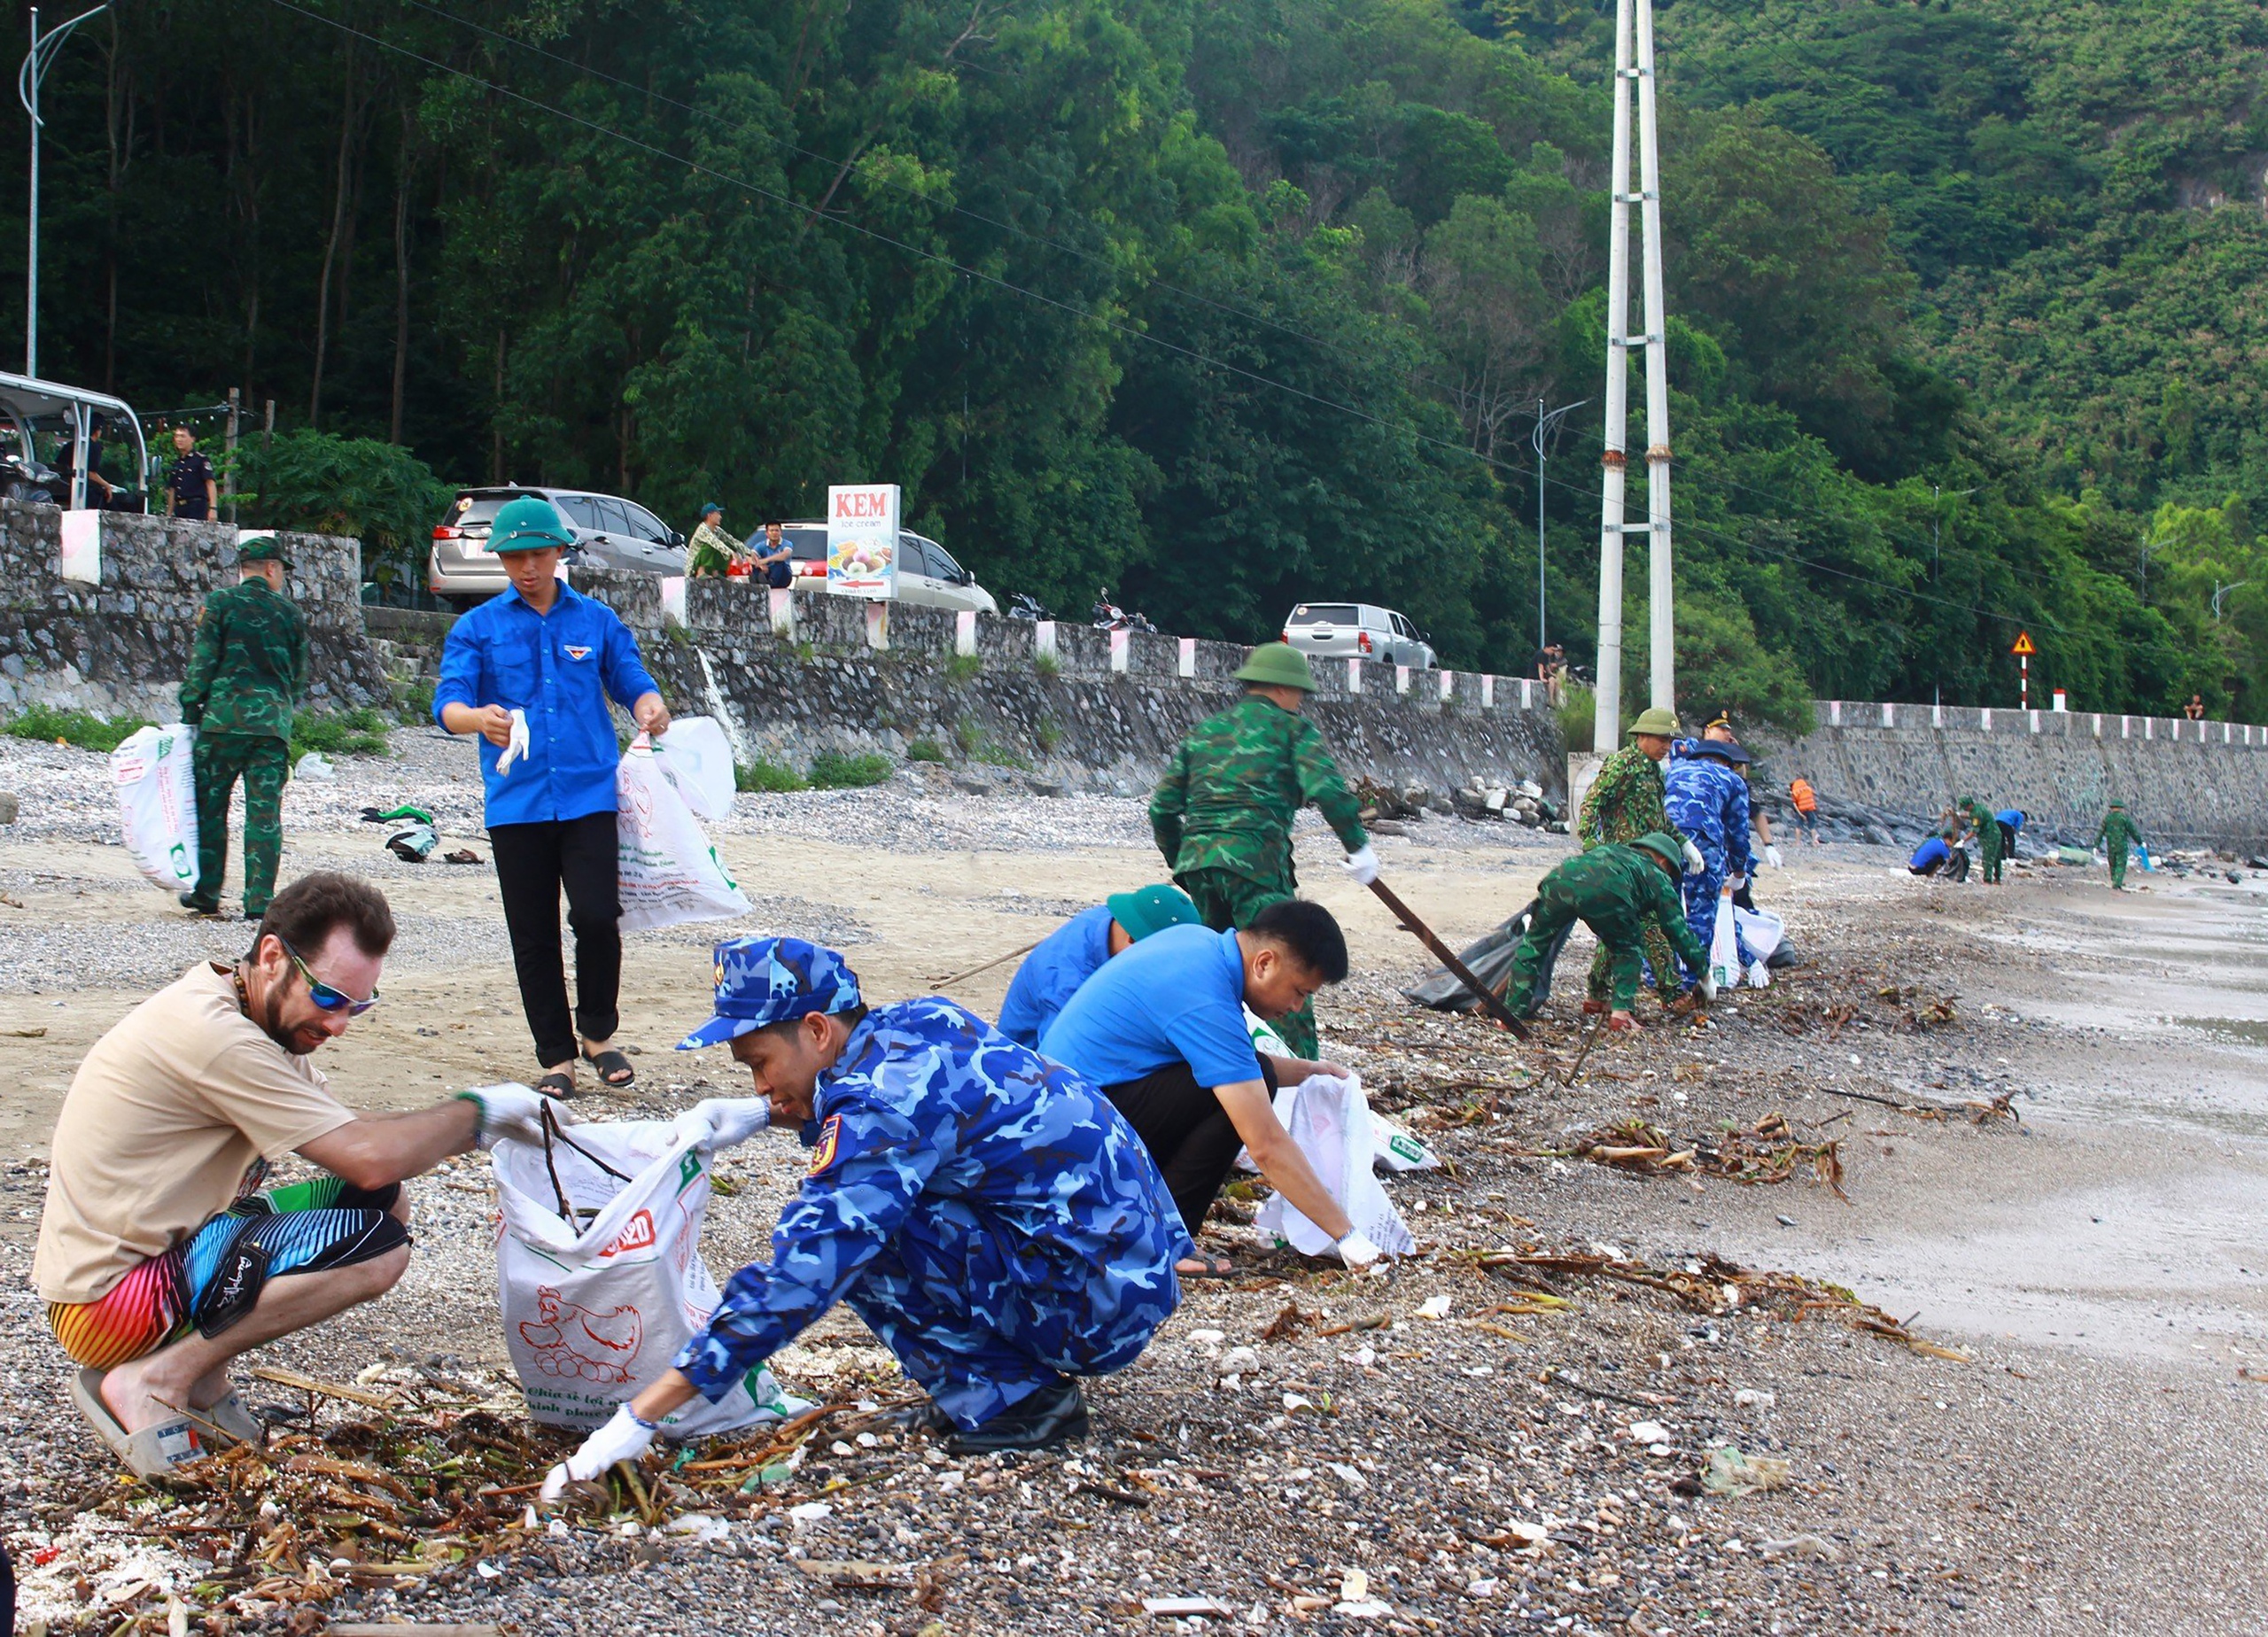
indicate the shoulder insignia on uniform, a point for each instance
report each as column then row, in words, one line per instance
column 823, row 1150
column 576, row 650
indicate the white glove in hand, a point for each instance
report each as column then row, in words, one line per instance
column 1356, row 1250
column 1708, row 986
column 1694, row 862
column 514, row 1111
column 1363, row 865
column 1772, row 857
column 717, row 1122
column 623, row 1438
column 518, row 746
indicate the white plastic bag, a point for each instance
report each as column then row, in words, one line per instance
column 667, row 872
column 1329, row 1119
column 696, row 753
column 157, row 803
column 1724, row 947
column 597, row 1303
column 1760, row 931
column 313, row 765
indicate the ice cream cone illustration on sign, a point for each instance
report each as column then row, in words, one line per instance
column 862, row 540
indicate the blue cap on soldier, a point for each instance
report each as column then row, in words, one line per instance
column 766, row 980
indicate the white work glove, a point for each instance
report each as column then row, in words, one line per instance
column 514, row 1111
column 1694, row 862
column 1363, row 865
column 518, row 745
column 1708, row 986
column 1732, row 884
column 1356, row 1250
column 626, row 1437
column 717, row 1122
column 1772, row 857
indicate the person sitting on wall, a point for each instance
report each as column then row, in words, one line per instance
column 1075, row 951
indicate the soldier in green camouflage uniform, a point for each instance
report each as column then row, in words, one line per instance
column 2118, row 833
column 1987, row 824
column 1624, row 803
column 1622, row 892
column 246, row 672
column 1222, row 813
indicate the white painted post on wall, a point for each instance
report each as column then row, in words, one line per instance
column 878, row 625
column 1354, row 675
column 1402, row 678
column 1488, row 691
column 81, row 556
column 674, row 597
column 783, row 612
column 965, row 632
column 1043, row 638
column 1984, row 719
column 1835, row 713
column 1448, row 686
column 1890, row 716
column 1185, row 657
column 1527, row 692
column 1118, row 650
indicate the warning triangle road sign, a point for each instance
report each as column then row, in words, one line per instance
column 2024, row 648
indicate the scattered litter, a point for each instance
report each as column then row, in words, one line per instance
column 1188, row 1607
column 1816, row 1548
column 315, row 765
column 1648, row 1433
column 1731, row 1472
column 1755, row 1398
column 1433, row 1307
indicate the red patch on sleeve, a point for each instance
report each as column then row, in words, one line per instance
column 823, row 1150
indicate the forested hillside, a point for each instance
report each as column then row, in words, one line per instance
column 1223, row 304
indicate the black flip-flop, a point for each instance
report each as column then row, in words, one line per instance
column 1215, row 1268
column 610, row 1063
column 558, row 1084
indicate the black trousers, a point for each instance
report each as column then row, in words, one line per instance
column 533, row 862
column 1187, row 1132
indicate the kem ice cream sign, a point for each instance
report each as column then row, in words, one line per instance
column 862, row 538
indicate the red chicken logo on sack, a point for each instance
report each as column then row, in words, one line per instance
column 572, row 1340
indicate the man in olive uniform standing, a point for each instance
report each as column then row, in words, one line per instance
column 2118, row 833
column 1626, row 801
column 1622, row 892
column 1222, row 813
column 1987, row 824
column 246, row 673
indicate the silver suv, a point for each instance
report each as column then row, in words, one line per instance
column 926, row 574
column 1357, row 631
column 611, row 532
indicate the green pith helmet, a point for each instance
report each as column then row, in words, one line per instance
column 528, row 523
column 1669, row 849
column 1277, row 664
column 2118, row 804
column 261, row 549
column 1151, row 908
column 1655, row 721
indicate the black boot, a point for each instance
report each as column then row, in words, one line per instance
column 1048, row 1417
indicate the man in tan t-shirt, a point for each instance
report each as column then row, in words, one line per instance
column 159, row 1258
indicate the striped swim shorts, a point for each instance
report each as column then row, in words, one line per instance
column 213, row 1278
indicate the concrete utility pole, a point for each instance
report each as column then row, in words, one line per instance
column 36, row 63
column 1634, row 66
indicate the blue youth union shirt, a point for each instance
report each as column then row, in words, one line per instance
column 1052, row 973
column 561, row 668
column 1176, row 996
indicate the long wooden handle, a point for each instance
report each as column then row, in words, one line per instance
column 1021, row 949
column 1494, row 1007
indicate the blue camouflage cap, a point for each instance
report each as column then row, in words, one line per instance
column 766, row 980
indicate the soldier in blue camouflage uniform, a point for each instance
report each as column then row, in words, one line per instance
column 987, row 1211
column 1707, row 801
column 246, row 672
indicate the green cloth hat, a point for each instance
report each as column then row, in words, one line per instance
column 2116, row 803
column 1669, row 849
column 529, row 524
column 261, row 549
column 1657, row 722
column 1151, row 908
column 1277, row 664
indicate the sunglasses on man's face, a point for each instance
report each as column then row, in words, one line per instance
column 326, row 997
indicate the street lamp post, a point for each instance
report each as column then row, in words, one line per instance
column 1547, row 427
column 36, row 63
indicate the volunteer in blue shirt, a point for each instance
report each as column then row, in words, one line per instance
column 553, row 657
column 1161, row 1030
column 1075, row 951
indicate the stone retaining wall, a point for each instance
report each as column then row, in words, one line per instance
column 118, row 648
column 1042, row 707
column 2186, row 783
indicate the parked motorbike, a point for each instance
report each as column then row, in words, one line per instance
column 1108, row 616
column 1023, row 606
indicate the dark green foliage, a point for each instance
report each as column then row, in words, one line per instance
column 924, row 751
column 359, row 731
column 81, row 728
column 766, row 778
column 1226, row 306
column 831, row 770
